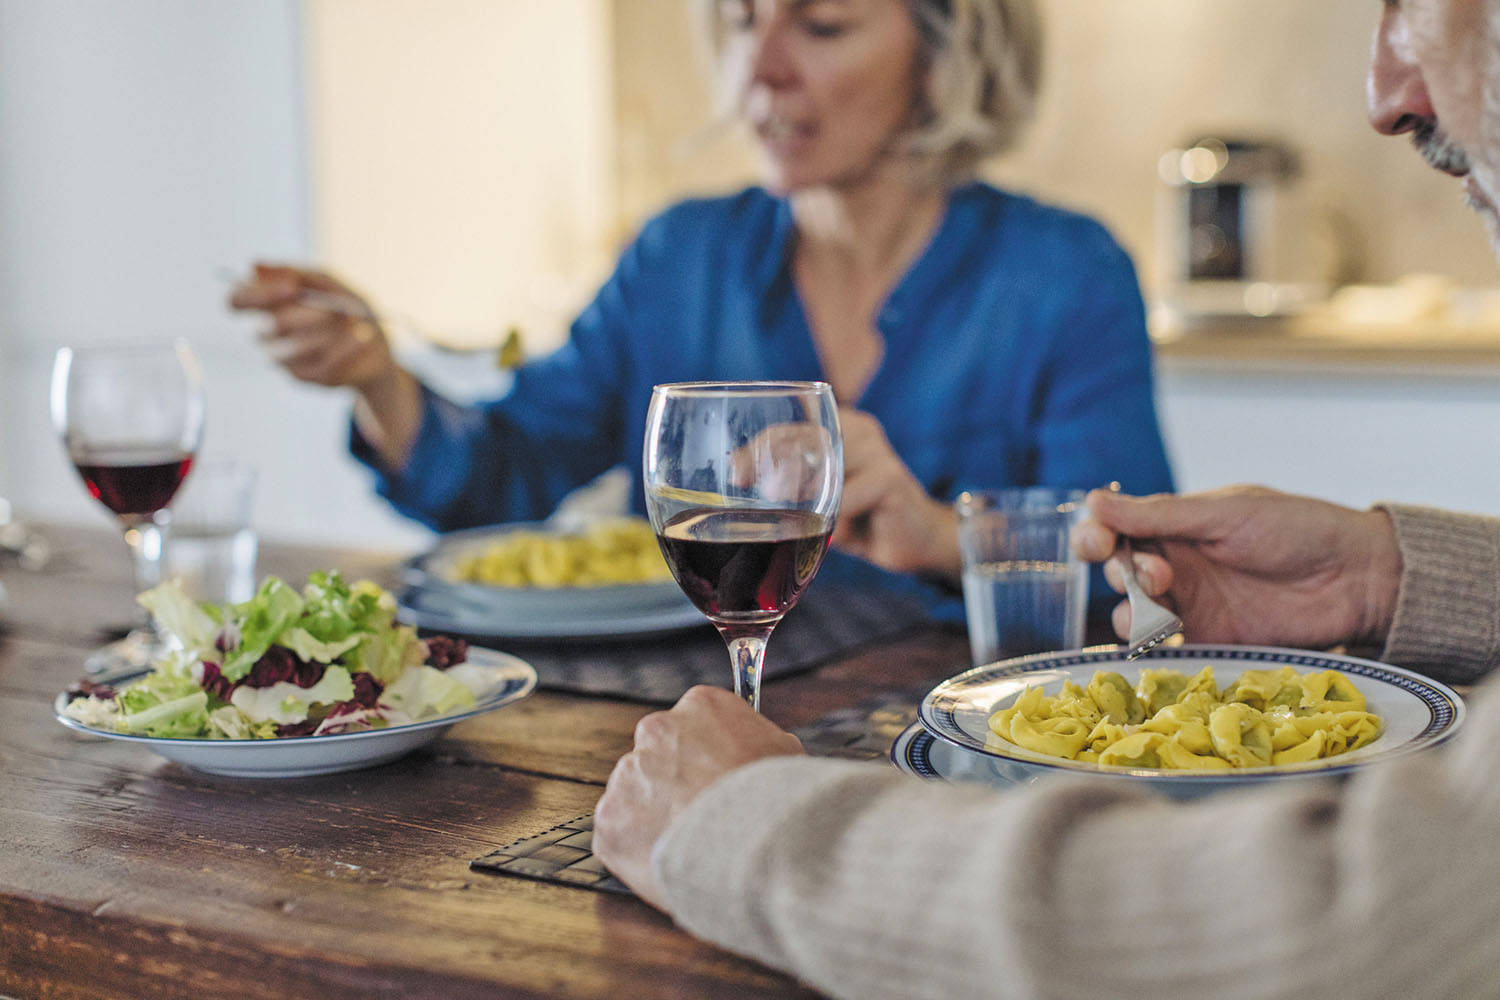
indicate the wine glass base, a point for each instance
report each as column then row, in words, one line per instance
column 137, row 651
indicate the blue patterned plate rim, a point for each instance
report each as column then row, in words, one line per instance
column 1418, row 712
column 912, row 752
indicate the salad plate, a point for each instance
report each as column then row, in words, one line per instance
column 1416, row 713
column 505, row 678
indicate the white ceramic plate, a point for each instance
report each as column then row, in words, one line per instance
column 433, row 611
column 299, row 756
column 1418, row 712
column 433, row 599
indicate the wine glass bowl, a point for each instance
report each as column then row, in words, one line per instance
column 131, row 418
column 743, row 482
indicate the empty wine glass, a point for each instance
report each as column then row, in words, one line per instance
column 131, row 418
column 743, row 482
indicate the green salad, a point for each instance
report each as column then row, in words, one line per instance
column 329, row 658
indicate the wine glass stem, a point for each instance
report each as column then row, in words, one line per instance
column 747, row 652
column 147, row 540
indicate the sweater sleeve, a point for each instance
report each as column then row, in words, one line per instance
column 1447, row 621
column 866, row 883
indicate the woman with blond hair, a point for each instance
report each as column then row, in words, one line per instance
column 974, row 338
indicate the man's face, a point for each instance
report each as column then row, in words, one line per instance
column 1435, row 73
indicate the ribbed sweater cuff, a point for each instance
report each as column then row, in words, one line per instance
column 1447, row 621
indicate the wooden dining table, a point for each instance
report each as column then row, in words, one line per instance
column 125, row 875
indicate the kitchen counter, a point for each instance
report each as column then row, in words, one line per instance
column 1313, row 344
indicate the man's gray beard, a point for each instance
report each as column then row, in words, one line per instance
column 1440, row 152
column 1488, row 152
column 1487, row 216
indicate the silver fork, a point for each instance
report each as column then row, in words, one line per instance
column 1150, row 623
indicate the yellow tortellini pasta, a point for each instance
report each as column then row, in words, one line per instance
column 616, row 550
column 1172, row 721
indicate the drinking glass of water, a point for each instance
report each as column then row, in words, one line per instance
column 214, row 544
column 1024, row 590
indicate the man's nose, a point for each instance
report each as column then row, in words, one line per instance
column 1396, row 98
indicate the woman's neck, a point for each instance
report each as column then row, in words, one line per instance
column 853, row 245
column 869, row 232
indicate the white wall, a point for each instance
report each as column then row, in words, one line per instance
column 462, row 159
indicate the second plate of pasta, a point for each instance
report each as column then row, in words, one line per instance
column 1398, row 711
column 531, row 580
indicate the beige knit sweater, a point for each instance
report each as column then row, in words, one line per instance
column 867, row 883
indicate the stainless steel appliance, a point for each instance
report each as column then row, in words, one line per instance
column 1230, row 236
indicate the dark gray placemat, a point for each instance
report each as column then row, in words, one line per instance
column 564, row 853
column 658, row 669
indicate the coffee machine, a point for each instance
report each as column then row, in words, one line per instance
column 1231, row 237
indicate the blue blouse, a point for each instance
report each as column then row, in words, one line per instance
column 1015, row 353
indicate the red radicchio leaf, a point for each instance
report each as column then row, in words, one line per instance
column 445, row 651
column 214, row 681
column 281, row 664
column 303, row 728
column 366, row 692
column 87, row 687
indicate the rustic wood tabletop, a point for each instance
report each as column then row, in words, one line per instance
column 126, row 875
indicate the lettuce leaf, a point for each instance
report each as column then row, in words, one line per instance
column 229, row 723
column 284, row 703
column 186, row 716
column 262, row 620
column 302, row 642
column 194, row 624
column 423, row 692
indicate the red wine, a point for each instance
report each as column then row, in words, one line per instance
column 130, row 480
column 744, row 565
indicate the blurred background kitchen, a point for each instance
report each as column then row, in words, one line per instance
column 1327, row 315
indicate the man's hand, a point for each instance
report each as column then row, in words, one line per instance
column 1251, row 565
column 678, row 753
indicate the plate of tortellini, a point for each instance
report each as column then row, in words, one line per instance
column 1187, row 719
column 598, row 577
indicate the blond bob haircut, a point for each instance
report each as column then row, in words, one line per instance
column 981, row 68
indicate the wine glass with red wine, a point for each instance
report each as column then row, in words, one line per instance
column 743, row 482
column 131, row 418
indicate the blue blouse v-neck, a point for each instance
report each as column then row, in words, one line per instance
column 1015, row 353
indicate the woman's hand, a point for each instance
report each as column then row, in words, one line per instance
column 1251, row 565
column 678, row 753
column 887, row 516
column 337, row 343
